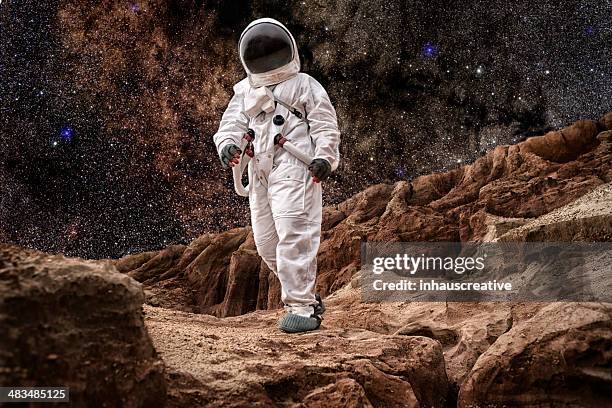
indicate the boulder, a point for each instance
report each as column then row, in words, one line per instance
column 560, row 357
column 78, row 324
column 606, row 121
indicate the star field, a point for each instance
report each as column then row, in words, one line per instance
column 107, row 109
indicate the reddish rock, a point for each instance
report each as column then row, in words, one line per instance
column 242, row 290
column 78, row 324
column 425, row 189
column 588, row 219
column 606, row 121
column 482, row 201
column 331, row 217
column 208, row 273
column 382, row 389
column 490, row 227
column 344, row 393
column 560, row 357
column 219, row 274
column 264, row 287
column 132, row 262
column 155, row 266
column 563, row 145
column 274, row 288
column 246, row 361
column 475, row 336
column 188, row 255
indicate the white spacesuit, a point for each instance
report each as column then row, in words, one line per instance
column 284, row 193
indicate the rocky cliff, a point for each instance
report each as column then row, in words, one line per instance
column 211, row 306
column 221, row 274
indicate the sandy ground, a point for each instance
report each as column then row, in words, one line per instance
column 596, row 203
column 247, row 360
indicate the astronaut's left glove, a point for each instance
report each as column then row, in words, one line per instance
column 320, row 169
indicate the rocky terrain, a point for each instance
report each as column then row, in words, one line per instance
column 211, row 306
column 221, row 274
column 67, row 322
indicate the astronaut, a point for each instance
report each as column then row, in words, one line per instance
column 285, row 195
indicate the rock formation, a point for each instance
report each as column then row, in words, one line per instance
column 495, row 354
column 72, row 323
column 559, row 357
column 246, row 362
column 212, row 305
column 506, row 188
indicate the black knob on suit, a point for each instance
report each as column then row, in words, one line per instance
column 278, row 120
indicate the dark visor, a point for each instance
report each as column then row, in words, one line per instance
column 266, row 46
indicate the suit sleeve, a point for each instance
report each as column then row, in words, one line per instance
column 229, row 131
column 323, row 123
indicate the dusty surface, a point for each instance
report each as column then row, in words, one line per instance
column 246, row 361
column 586, row 219
column 494, row 354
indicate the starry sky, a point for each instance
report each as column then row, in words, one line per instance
column 107, row 108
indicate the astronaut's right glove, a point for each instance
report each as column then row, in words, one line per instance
column 320, row 169
column 230, row 155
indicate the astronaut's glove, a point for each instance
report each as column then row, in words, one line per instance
column 320, row 169
column 230, row 155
